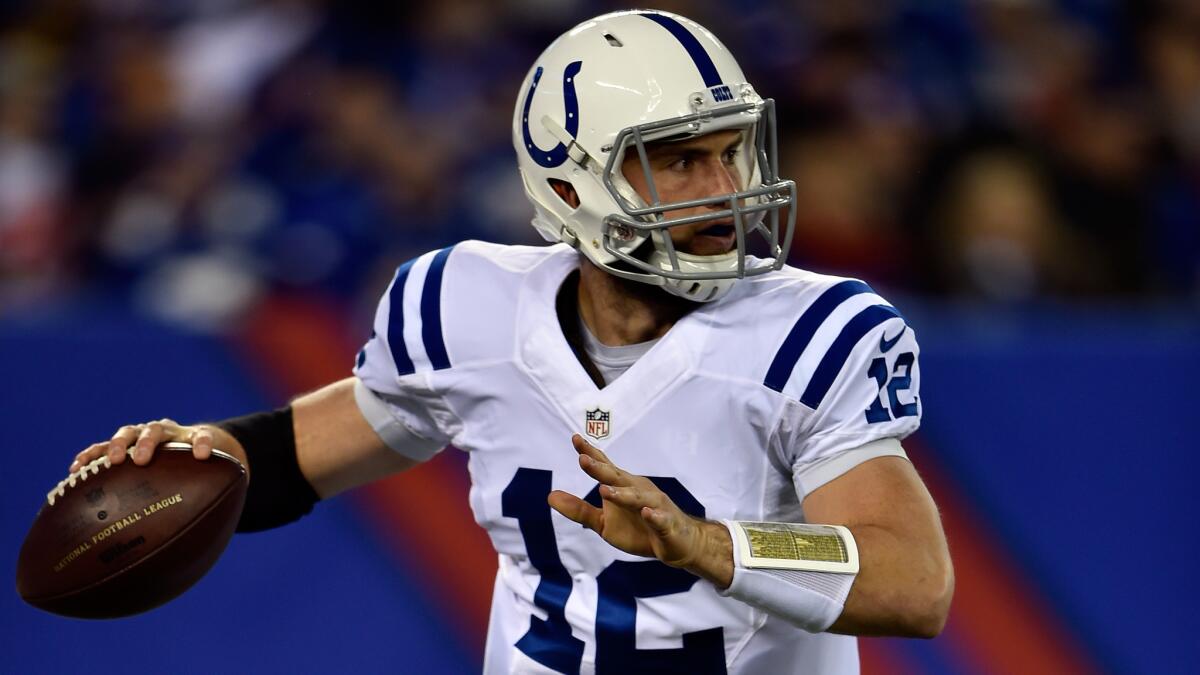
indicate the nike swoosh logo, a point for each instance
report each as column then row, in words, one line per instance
column 885, row 345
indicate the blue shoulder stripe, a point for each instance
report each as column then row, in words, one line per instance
column 704, row 62
column 395, row 332
column 431, row 312
column 831, row 364
column 806, row 326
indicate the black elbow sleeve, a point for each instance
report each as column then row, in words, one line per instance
column 278, row 492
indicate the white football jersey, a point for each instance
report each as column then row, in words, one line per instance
column 745, row 406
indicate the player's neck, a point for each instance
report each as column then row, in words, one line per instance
column 623, row 312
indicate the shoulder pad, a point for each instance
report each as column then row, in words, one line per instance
column 456, row 305
column 804, row 327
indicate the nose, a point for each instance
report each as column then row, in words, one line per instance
column 720, row 179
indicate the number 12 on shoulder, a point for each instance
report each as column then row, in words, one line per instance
column 895, row 381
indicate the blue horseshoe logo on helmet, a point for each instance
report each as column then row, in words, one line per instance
column 558, row 154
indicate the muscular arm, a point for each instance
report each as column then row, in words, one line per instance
column 906, row 580
column 337, row 448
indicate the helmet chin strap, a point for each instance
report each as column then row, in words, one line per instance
column 653, row 253
column 697, row 290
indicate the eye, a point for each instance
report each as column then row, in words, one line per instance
column 681, row 164
column 731, row 154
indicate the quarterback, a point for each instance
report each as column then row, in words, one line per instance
column 686, row 453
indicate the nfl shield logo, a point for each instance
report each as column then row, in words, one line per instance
column 596, row 424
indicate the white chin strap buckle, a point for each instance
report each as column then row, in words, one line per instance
column 568, row 237
column 698, row 290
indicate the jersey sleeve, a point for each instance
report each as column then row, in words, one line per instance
column 853, row 392
column 396, row 391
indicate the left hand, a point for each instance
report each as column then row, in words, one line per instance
column 637, row 517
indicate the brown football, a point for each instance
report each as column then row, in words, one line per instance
column 116, row 540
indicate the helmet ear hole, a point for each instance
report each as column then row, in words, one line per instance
column 565, row 192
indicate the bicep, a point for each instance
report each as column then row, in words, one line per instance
column 906, row 578
column 880, row 491
column 335, row 445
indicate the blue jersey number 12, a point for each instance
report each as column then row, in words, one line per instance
column 550, row 642
column 900, row 381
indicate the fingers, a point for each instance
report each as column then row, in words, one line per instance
column 121, row 441
column 201, row 439
column 587, row 449
column 577, row 510
column 140, row 440
column 147, row 441
column 652, row 504
column 151, row 436
column 635, row 496
column 137, row 441
column 597, row 465
column 88, row 454
column 673, row 533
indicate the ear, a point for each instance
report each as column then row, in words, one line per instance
column 565, row 192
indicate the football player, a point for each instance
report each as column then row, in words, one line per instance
column 726, row 429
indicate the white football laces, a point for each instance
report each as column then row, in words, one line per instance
column 90, row 469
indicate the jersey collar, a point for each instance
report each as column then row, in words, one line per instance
column 547, row 357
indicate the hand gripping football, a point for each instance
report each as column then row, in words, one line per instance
column 115, row 540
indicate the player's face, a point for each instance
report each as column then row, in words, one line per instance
column 695, row 168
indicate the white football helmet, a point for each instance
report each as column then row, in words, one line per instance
column 629, row 78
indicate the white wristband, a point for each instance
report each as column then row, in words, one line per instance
column 799, row 572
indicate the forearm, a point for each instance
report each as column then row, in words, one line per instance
column 321, row 433
column 902, row 589
column 336, row 447
column 906, row 579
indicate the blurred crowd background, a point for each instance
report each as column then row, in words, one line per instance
column 190, row 156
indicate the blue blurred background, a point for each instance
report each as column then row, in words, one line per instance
column 200, row 202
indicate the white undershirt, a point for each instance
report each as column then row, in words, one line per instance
column 612, row 362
